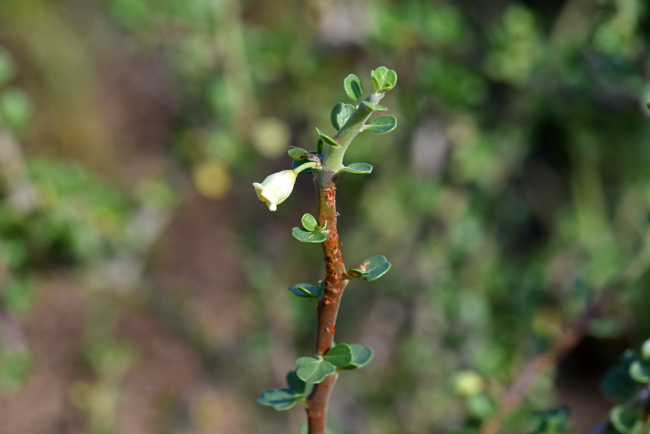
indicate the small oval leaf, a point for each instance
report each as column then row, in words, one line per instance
column 375, row 107
column 339, row 356
column 352, row 86
column 327, row 139
column 391, row 79
column 383, row 124
column 379, row 77
column 645, row 350
column 296, row 385
column 624, row 419
column 341, row 112
column 309, row 222
column 640, row 371
column 383, row 79
column 307, row 290
column 305, row 236
column 358, row 168
column 361, row 356
column 617, row 384
column 297, row 153
column 279, row 399
column 311, row 370
column 371, row 269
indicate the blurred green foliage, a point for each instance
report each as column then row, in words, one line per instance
column 515, row 189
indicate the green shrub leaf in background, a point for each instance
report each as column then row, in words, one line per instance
column 352, row 86
column 371, row 269
column 640, row 371
column 645, row 350
column 383, row 124
column 358, row 168
column 341, row 112
column 7, row 67
column 307, row 290
column 625, row 419
column 339, row 356
column 554, row 421
column 313, row 370
column 617, row 384
column 15, row 109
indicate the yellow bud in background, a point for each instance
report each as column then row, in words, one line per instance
column 271, row 137
column 212, row 179
column 467, row 383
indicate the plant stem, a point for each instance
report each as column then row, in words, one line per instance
column 335, row 273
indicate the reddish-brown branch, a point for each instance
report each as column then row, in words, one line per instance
column 328, row 307
column 536, row 367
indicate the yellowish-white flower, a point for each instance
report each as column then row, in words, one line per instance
column 276, row 188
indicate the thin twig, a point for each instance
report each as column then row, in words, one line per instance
column 570, row 337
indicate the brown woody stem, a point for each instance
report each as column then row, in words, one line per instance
column 335, row 273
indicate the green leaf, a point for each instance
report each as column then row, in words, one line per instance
column 361, row 356
column 279, row 399
column 339, row 356
column 305, row 236
column 352, row 86
column 551, row 421
column 7, row 68
column 371, row 269
column 624, row 419
column 15, row 109
column 313, row 370
column 297, row 386
column 358, row 168
column 375, row 107
column 307, row 290
column 297, row 153
column 645, row 350
column 640, row 371
column 617, row 384
column 297, row 163
column 327, row 139
column 391, row 80
column 383, row 124
column 341, row 112
column 383, row 79
column 309, row 222
column 481, row 405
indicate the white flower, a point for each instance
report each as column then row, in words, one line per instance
column 276, row 188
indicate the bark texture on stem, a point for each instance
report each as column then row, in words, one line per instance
column 328, row 306
column 335, row 273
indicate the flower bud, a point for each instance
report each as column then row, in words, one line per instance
column 276, row 188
